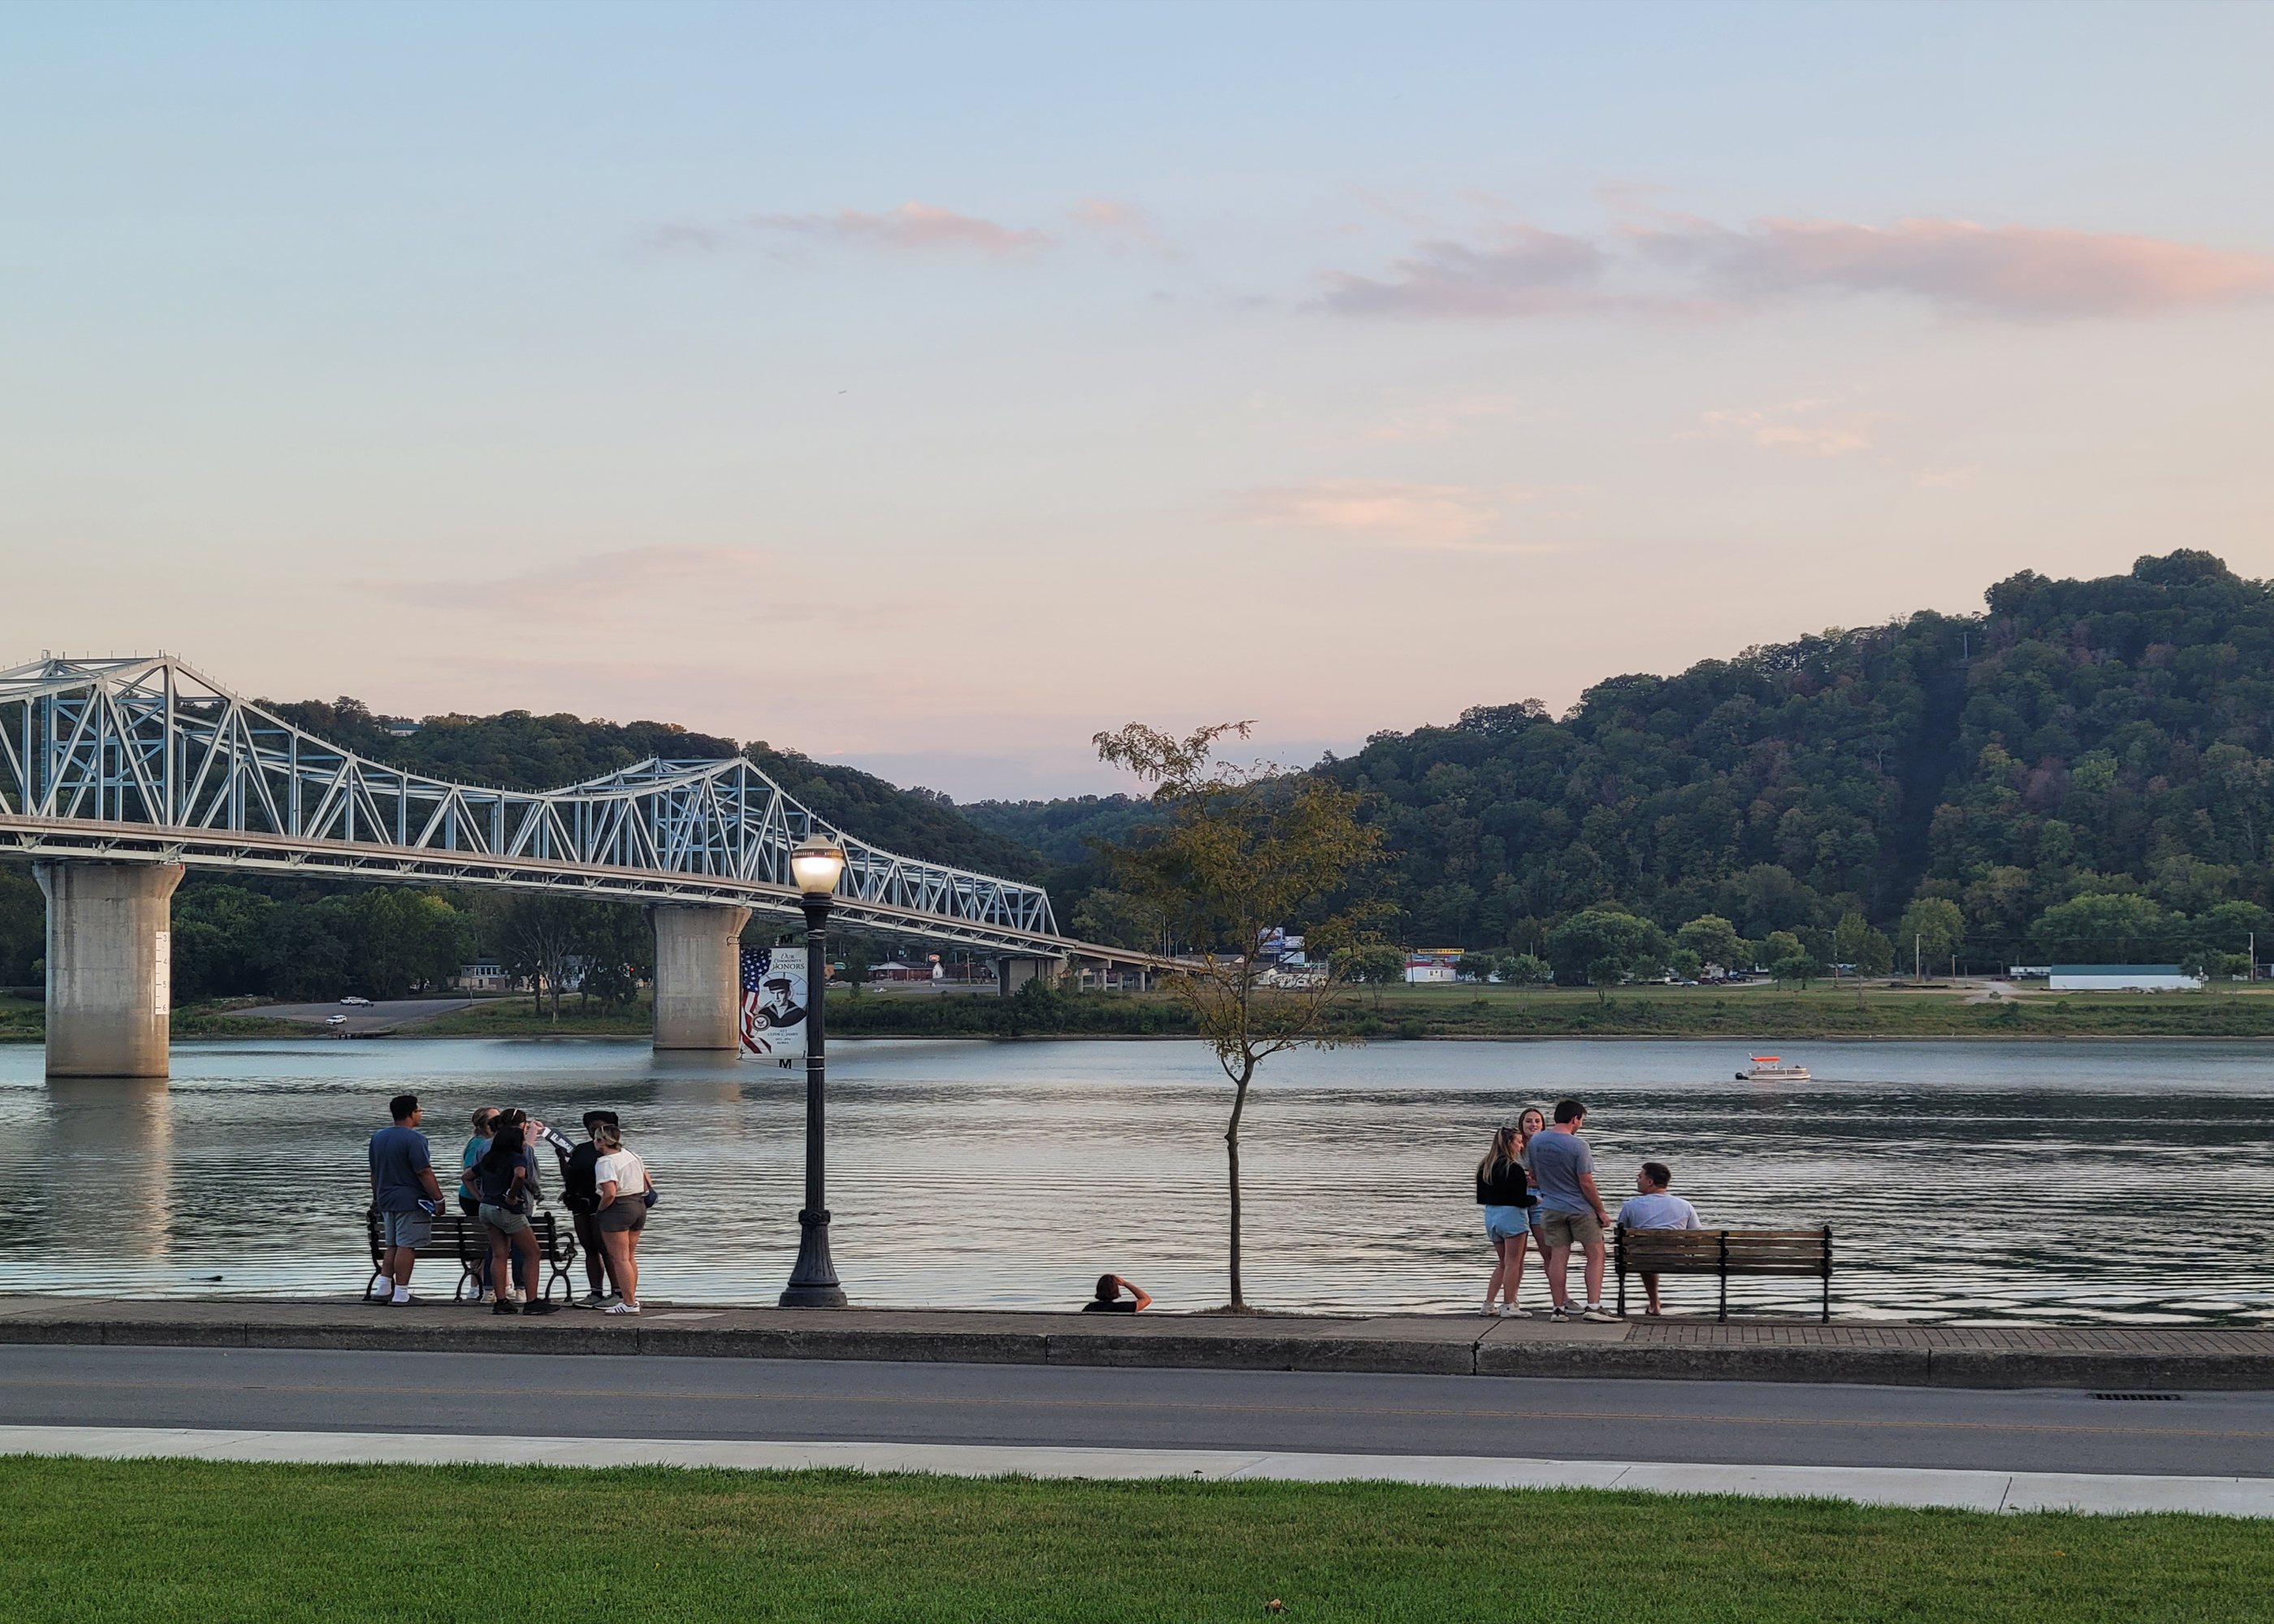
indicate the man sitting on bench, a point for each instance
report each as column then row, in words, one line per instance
column 1654, row 1209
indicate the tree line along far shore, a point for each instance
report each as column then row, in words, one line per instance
column 2083, row 772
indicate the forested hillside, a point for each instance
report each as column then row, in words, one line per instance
column 1060, row 831
column 2083, row 772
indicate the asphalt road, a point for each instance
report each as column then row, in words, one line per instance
column 803, row 1400
column 362, row 1017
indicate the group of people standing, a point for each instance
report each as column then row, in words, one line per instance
column 1537, row 1185
column 606, row 1187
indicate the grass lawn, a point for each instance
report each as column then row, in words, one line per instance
column 185, row 1540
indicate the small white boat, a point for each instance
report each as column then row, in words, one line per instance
column 1770, row 1069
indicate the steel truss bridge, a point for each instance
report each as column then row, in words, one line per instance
column 145, row 760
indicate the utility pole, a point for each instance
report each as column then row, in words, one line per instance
column 1918, row 957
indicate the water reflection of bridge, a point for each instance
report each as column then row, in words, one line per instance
column 115, row 775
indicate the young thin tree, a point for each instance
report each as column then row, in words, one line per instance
column 1236, row 852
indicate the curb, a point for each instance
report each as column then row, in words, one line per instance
column 1482, row 1355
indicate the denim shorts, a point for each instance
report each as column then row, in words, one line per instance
column 502, row 1220
column 1503, row 1224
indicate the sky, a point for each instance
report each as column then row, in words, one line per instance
column 931, row 386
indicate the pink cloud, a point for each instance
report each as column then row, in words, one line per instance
column 1129, row 225
column 913, row 228
column 599, row 587
column 2012, row 272
column 1799, row 428
column 1523, row 272
column 1435, row 517
column 1983, row 270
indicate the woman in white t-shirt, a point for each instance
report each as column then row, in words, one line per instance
column 621, row 1180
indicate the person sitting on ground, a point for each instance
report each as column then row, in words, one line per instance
column 626, row 1193
column 508, row 1199
column 1108, row 1300
column 1654, row 1209
column 404, row 1195
column 580, row 1192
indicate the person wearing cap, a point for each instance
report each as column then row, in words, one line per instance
column 777, row 1010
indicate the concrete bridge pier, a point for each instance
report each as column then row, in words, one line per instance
column 1013, row 972
column 110, row 967
column 699, row 975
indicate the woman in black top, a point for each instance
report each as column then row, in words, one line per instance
column 508, row 1198
column 1505, row 1194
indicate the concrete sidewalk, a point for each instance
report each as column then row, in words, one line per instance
column 1871, row 1485
column 2120, row 1358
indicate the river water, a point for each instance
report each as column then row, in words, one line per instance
column 1966, row 1182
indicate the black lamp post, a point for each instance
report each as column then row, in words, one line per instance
column 817, row 865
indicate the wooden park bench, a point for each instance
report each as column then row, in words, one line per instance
column 466, row 1242
column 1724, row 1252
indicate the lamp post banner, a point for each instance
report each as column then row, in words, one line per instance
column 773, row 1006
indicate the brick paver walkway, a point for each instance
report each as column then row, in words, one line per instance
column 2017, row 1338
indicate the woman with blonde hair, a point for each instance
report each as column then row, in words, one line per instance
column 625, row 1190
column 1505, row 1193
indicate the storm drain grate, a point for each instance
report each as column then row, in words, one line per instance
column 2171, row 1397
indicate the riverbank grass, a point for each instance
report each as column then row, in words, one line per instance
column 518, row 1015
column 166, row 1540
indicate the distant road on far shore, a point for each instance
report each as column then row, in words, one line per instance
column 361, row 1018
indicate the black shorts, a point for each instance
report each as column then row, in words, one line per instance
column 621, row 1217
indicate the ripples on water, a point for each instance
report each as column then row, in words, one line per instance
column 2100, row 1184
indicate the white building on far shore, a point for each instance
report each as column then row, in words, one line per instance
column 2122, row 978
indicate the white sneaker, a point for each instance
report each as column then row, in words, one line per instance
column 1597, row 1315
column 622, row 1308
column 1509, row 1310
column 1487, row 1308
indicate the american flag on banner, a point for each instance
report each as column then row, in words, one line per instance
column 773, row 1004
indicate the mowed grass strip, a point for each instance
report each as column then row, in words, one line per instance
column 192, row 1540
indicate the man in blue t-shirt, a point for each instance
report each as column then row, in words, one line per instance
column 1563, row 1173
column 404, row 1195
